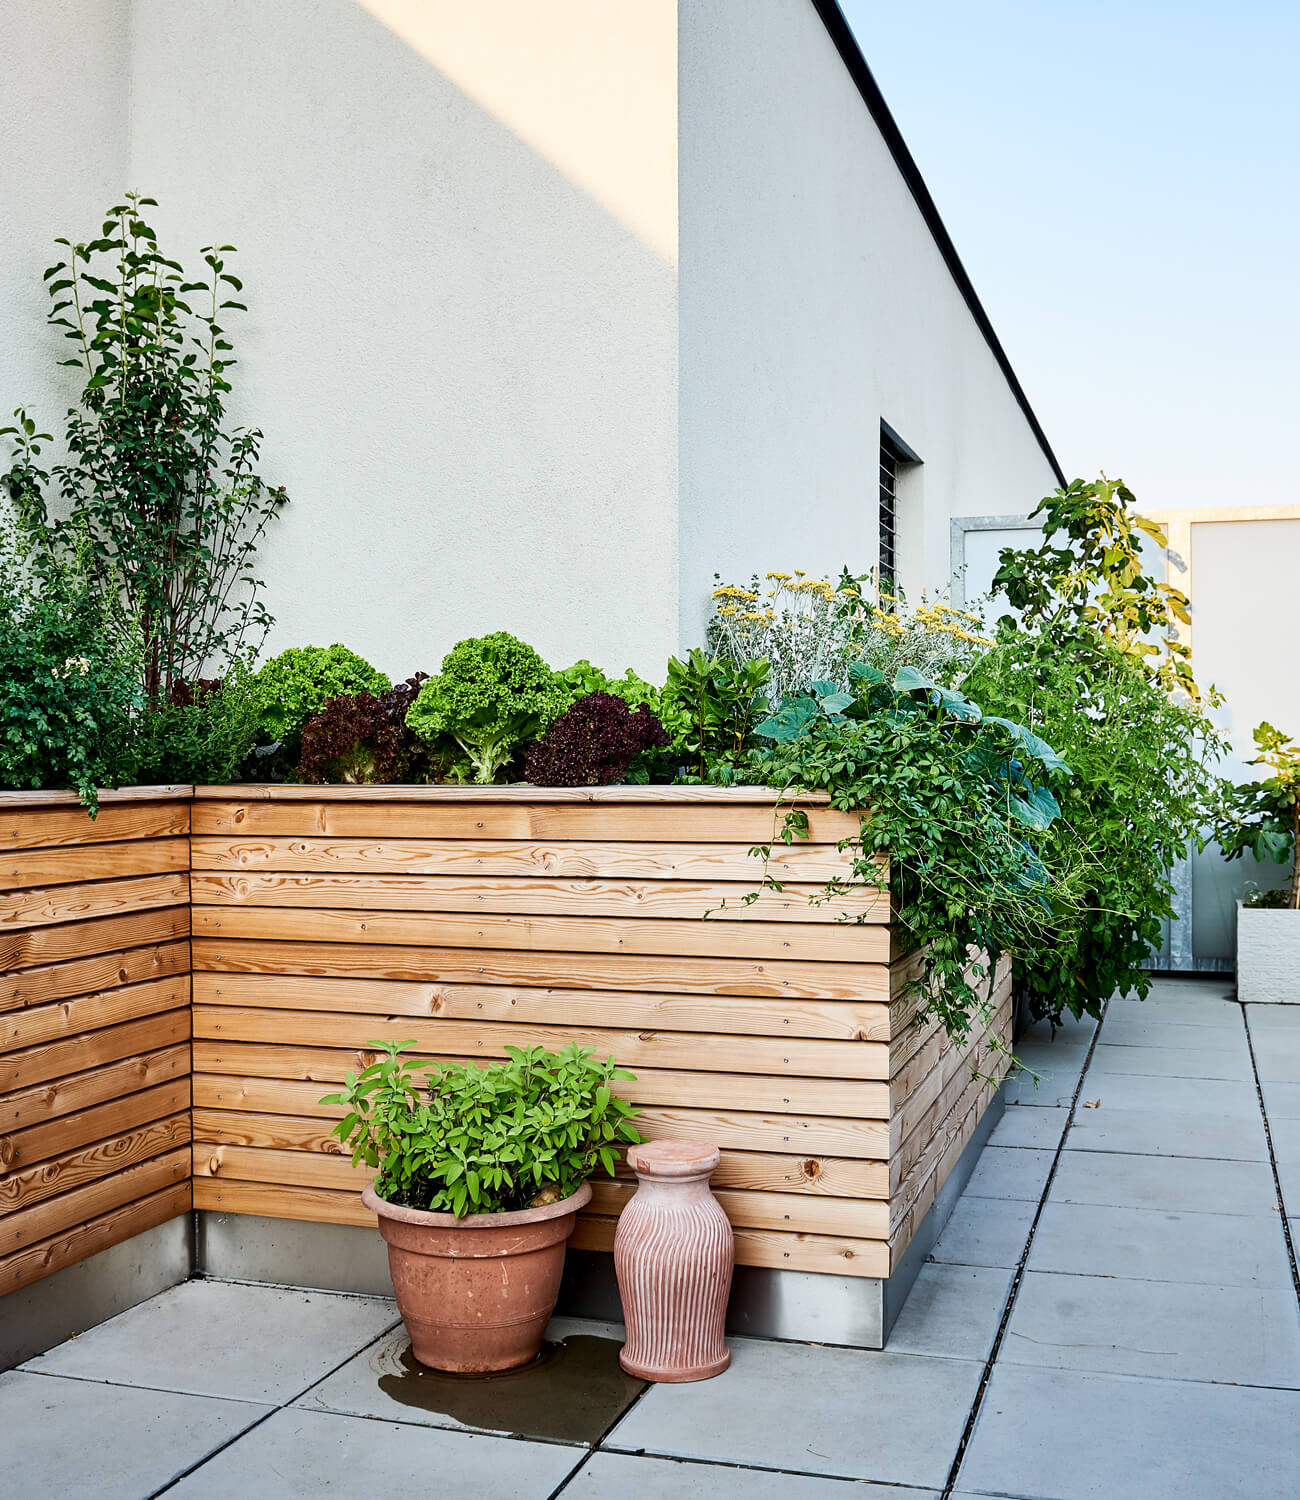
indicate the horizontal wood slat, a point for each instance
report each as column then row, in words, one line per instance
column 600, row 971
column 80, row 976
column 84, row 1013
column 834, row 1020
column 65, row 1132
column 676, row 822
column 23, row 1187
column 42, row 906
column 486, row 858
column 46, row 827
column 77, row 863
column 53, row 944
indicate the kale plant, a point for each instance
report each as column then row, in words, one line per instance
column 594, row 743
column 493, row 695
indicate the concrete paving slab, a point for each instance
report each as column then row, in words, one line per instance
column 1281, row 1100
column 1157, row 1245
column 70, row 1438
column 952, row 1311
column 891, row 1418
column 1152, row 1132
column 1174, row 1062
column 220, row 1338
column 1149, row 1029
column 1075, row 1436
column 985, row 1232
column 1051, row 1089
column 1179, row 1332
column 1185, row 1008
column 1275, row 1063
column 1286, row 1139
column 606, row 1475
column 1030, row 1125
column 1010, row 1172
column 572, row 1394
column 1213, row 1096
column 1180, row 1184
column 302, row 1455
column 1288, row 1173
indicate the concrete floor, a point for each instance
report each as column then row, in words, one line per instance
column 1111, row 1314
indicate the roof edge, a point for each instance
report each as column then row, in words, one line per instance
column 846, row 45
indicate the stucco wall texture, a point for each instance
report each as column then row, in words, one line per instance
column 496, row 399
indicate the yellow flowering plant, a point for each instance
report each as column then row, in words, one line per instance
column 811, row 629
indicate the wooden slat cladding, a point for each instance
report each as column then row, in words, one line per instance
column 466, row 919
column 778, row 1028
column 94, row 1025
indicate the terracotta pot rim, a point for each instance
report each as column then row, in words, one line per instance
column 381, row 1206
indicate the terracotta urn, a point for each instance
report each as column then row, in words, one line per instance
column 673, row 1255
column 476, row 1293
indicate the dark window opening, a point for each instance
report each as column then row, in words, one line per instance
column 895, row 456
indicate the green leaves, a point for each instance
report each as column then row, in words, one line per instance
column 484, row 1140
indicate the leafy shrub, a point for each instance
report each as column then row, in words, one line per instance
column 493, row 695
column 69, row 672
column 582, row 678
column 202, row 735
column 167, row 494
column 959, row 805
column 1263, row 817
column 593, row 743
column 297, row 684
column 709, row 709
column 473, row 1140
column 1079, row 667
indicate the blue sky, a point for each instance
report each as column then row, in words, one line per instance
column 1121, row 182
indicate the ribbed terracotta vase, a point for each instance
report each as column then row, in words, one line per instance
column 673, row 1254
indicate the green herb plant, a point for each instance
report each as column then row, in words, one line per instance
column 710, row 708
column 464, row 1139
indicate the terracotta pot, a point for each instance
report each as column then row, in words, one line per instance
column 476, row 1293
column 673, row 1255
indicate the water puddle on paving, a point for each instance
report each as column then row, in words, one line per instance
column 570, row 1393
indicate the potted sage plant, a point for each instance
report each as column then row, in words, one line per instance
column 479, row 1175
column 1263, row 818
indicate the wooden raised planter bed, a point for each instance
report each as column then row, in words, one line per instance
column 465, row 918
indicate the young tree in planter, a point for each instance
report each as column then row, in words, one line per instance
column 168, row 493
column 1263, row 817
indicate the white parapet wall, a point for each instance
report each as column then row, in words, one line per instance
column 1268, row 955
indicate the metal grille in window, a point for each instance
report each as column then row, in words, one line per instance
column 888, row 514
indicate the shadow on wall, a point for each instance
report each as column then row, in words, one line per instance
column 465, row 366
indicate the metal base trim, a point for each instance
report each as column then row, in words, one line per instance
column 37, row 1317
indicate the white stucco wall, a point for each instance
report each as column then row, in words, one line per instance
column 814, row 303
column 457, row 229
column 63, row 153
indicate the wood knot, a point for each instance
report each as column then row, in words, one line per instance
column 811, row 1170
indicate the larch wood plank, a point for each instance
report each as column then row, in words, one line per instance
column 26, row 1266
column 43, row 906
column 25, row 1187
column 831, row 1255
column 527, row 819
column 327, row 1066
column 19, row 801
column 49, row 1023
column 541, row 896
column 831, row 1020
column 57, row 1215
column 275, row 1201
column 40, row 946
column 786, row 1057
column 845, row 943
column 824, row 1176
column 80, row 1091
column 80, row 976
column 789, row 1212
column 518, row 791
column 39, row 1142
column 29, row 1066
column 743, row 1129
column 73, row 862
column 774, row 979
column 32, row 827
column 484, row 858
